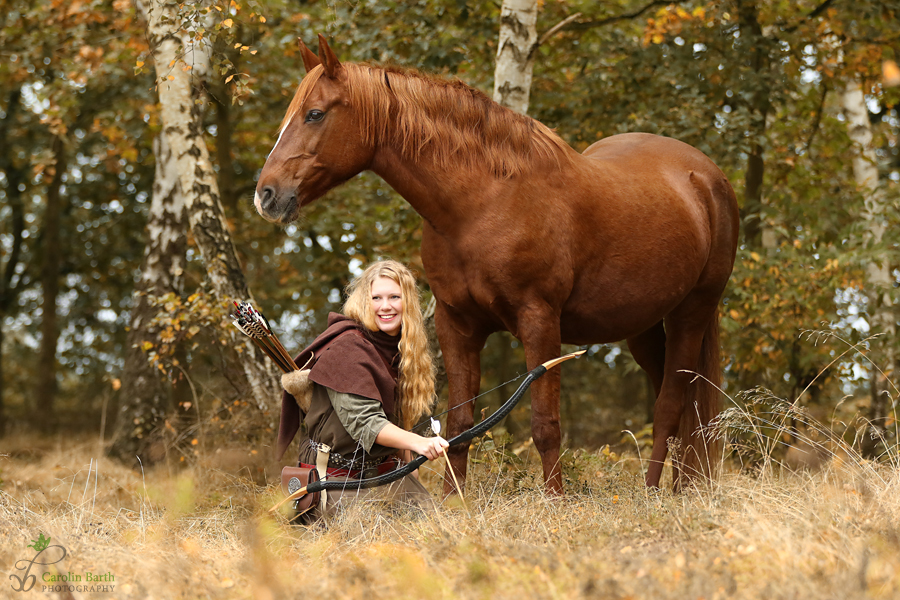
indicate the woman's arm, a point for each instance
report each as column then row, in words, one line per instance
column 394, row 437
column 365, row 421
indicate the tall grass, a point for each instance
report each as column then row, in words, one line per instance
column 200, row 529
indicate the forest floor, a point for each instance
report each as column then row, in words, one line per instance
column 203, row 530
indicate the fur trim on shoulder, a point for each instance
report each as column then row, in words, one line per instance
column 298, row 385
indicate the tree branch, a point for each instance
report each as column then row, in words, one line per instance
column 811, row 15
column 817, row 120
column 585, row 25
column 553, row 30
column 819, row 9
column 886, row 41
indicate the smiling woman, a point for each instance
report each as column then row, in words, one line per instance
column 366, row 380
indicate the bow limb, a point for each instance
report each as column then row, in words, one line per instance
column 510, row 404
column 465, row 436
column 552, row 363
column 298, row 494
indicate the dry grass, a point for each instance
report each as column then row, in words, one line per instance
column 202, row 532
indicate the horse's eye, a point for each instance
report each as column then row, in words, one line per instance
column 314, row 116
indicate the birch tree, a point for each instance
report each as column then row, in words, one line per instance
column 879, row 281
column 146, row 398
column 515, row 54
column 183, row 128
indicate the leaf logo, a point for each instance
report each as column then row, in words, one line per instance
column 26, row 581
column 39, row 544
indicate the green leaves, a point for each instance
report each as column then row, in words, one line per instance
column 39, row 544
column 685, row 70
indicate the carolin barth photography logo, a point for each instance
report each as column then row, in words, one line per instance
column 45, row 555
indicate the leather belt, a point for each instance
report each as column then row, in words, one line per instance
column 335, row 460
column 386, row 466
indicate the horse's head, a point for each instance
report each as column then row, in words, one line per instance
column 319, row 145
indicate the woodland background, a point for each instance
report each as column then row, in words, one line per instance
column 112, row 321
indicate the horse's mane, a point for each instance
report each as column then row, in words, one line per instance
column 419, row 114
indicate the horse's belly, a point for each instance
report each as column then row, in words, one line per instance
column 625, row 295
column 608, row 322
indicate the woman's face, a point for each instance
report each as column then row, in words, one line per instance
column 387, row 304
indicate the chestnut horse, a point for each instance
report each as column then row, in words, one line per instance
column 634, row 239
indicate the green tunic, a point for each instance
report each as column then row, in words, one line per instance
column 346, row 422
column 349, row 424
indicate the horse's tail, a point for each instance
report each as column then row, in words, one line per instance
column 700, row 447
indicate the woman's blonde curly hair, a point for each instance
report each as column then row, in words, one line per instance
column 416, row 382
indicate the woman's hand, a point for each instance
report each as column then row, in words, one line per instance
column 431, row 447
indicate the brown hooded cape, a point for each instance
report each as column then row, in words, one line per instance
column 349, row 359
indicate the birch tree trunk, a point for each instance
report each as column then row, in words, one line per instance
column 515, row 54
column 146, row 398
column 183, row 129
column 879, row 281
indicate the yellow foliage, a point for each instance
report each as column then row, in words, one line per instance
column 891, row 73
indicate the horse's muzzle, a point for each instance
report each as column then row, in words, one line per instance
column 271, row 209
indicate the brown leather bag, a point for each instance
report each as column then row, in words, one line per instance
column 294, row 478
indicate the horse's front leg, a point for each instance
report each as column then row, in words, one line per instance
column 540, row 335
column 461, row 346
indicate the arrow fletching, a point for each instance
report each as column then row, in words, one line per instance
column 254, row 325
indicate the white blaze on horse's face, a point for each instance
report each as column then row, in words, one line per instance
column 318, row 148
column 256, row 199
column 280, row 134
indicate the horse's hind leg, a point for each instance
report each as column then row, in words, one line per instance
column 685, row 329
column 649, row 351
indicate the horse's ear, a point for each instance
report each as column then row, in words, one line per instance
column 328, row 59
column 310, row 60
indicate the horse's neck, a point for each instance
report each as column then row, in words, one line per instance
column 442, row 195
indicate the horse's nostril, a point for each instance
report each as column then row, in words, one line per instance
column 268, row 198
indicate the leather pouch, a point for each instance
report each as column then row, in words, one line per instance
column 294, row 478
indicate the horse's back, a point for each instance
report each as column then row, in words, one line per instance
column 654, row 160
column 645, row 153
